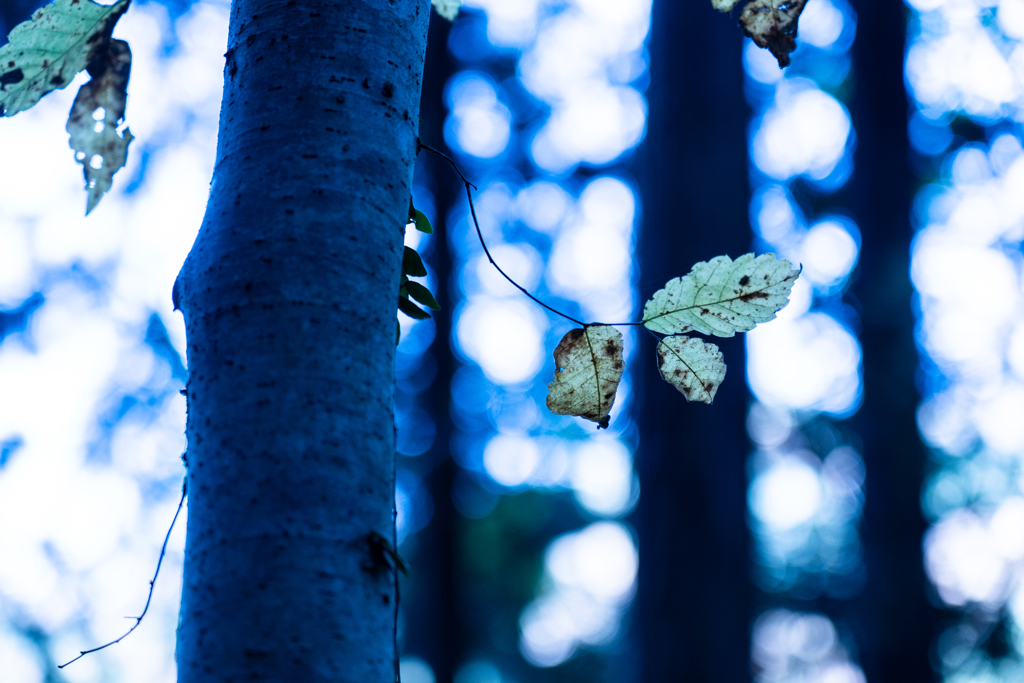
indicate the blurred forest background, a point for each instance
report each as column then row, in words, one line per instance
column 851, row 509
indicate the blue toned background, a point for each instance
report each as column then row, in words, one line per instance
column 520, row 527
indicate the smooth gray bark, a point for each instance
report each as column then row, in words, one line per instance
column 289, row 298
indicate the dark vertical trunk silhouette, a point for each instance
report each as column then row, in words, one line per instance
column 289, row 296
column 434, row 627
column 693, row 604
column 897, row 623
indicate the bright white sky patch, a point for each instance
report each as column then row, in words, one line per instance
column 543, row 205
column 591, row 260
column 575, row 65
column 963, row 561
column 805, row 132
column 480, row 123
column 796, row 646
column 787, row 494
column 503, row 336
column 602, row 476
column 821, row 23
column 510, row 460
column 807, row 362
column 828, row 253
column 594, row 573
column 964, row 60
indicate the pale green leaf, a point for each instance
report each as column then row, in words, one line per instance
column 722, row 296
column 692, row 366
column 98, row 142
column 724, row 5
column 449, row 9
column 588, row 367
column 45, row 53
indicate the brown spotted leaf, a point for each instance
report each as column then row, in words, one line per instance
column 588, row 367
column 98, row 145
column 772, row 24
column 46, row 52
column 692, row 366
column 724, row 5
column 722, row 296
column 449, row 9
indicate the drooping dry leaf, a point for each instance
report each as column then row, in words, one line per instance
column 98, row 146
column 46, row 52
column 724, row 5
column 722, row 296
column 772, row 24
column 449, row 9
column 588, row 367
column 692, row 366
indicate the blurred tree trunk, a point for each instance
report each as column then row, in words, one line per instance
column 897, row 622
column 434, row 629
column 693, row 604
column 289, row 297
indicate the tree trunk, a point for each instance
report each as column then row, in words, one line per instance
column 694, row 594
column 897, row 621
column 289, row 297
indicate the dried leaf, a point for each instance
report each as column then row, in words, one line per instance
column 724, row 5
column 692, row 366
column 99, row 140
column 722, row 296
column 46, row 52
column 449, row 9
column 772, row 24
column 588, row 367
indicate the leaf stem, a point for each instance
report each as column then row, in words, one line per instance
column 479, row 233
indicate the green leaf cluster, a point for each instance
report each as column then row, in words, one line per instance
column 411, row 292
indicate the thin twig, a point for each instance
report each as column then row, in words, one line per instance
column 152, row 584
column 480, row 234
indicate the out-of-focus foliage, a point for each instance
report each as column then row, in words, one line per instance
column 806, row 489
column 544, row 108
column 965, row 72
column 91, row 419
